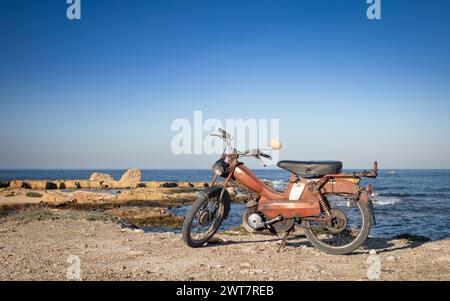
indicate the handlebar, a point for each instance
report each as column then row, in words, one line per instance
column 257, row 153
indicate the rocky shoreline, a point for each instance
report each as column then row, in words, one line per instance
column 143, row 203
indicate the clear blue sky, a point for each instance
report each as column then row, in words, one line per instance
column 102, row 92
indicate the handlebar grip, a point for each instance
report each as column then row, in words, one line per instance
column 266, row 156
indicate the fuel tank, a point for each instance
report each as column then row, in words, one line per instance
column 247, row 178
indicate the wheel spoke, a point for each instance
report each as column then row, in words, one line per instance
column 346, row 226
column 206, row 219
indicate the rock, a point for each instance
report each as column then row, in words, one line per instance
column 50, row 186
column 148, row 216
column 56, row 198
column 316, row 268
column 37, row 185
column 16, row 184
column 134, row 253
column 215, row 241
column 258, row 271
column 69, row 184
column 251, row 250
column 92, row 197
column 95, row 184
column 231, row 191
column 101, row 177
column 7, row 193
column 241, row 198
column 306, row 248
column 246, row 265
column 127, row 196
column 131, row 176
column 4, row 184
column 84, row 184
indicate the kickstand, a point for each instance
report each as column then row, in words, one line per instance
column 283, row 241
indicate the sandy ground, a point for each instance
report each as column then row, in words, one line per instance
column 36, row 245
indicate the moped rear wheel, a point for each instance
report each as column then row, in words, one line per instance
column 347, row 232
column 203, row 220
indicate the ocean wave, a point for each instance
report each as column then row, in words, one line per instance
column 377, row 187
column 384, row 201
column 441, row 189
column 277, row 184
column 412, row 195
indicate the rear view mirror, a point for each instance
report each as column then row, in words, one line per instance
column 276, row 144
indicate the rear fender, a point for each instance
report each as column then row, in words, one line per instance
column 366, row 198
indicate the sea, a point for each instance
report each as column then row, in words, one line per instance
column 408, row 201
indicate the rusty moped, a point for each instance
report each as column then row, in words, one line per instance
column 334, row 210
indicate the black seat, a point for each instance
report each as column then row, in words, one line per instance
column 312, row 169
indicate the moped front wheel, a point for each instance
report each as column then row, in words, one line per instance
column 204, row 219
column 347, row 232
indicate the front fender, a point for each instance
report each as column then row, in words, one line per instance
column 216, row 191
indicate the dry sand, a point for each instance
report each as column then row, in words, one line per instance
column 35, row 245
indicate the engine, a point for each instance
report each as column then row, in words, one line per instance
column 256, row 221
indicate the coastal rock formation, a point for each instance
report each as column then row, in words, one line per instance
column 36, row 184
column 16, row 184
column 101, row 177
column 131, row 176
column 83, row 197
column 163, row 196
column 56, row 198
column 126, row 183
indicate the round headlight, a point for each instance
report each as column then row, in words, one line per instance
column 219, row 168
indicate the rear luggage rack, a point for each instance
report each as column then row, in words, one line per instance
column 372, row 174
